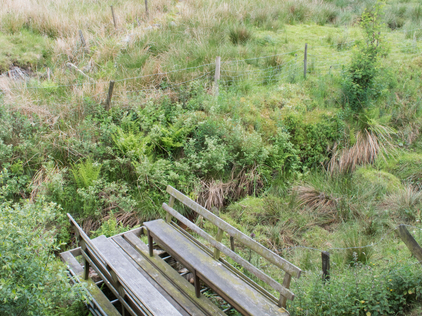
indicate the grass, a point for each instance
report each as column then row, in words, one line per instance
column 24, row 49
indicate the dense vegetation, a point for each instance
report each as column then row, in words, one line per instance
column 330, row 161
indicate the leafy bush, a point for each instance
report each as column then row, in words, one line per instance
column 212, row 160
column 360, row 290
column 102, row 196
column 315, row 138
column 14, row 184
column 360, row 76
column 284, row 157
column 32, row 281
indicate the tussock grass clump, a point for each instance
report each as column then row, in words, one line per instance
column 359, row 248
column 239, row 34
column 406, row 204
column 315, row 200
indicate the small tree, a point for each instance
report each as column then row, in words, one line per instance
column 360, row 76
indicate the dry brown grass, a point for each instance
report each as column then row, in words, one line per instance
column 369, row 145
column 314, row 199
column 217, row 193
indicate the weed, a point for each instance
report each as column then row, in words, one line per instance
column 86, row 173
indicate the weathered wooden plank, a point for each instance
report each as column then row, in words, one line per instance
column 71, row 261
column 410, row 242
column 241, row 237
column 182, row 303
column 132, row 280
column 228, row 252
column 235, row 271
column 129, row 306
column 99, row 299
column 166, row 270
column 213, row 272
column 286, row 283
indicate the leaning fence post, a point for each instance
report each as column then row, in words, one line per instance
column 325, row 256
column 305, row 61
column 410, row 242
column 146, row 8
column 114, row 17
column 217, row 75
column 110, row 95
column 83, row 43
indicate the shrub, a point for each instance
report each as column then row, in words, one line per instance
column 32, row 281
column 314, row 138
column 212, row 160
column 359, row 290
column 360, row 76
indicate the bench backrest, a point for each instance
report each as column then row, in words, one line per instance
column 235, row 234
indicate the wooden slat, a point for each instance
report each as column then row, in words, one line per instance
column 106, row 277
column 235, row 271
column 132, row 280
column 237, row 234
column 163, row 285
column 228, row 252
column 178, row 281
column 99, row 299
column 212, row 272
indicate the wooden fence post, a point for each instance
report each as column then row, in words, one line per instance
column 217, row 75
column 110, row 95
column 305, row 61
column 82, row 38
column 146, row 8
column 114, row 17
column 325, row 255
column 410, row 242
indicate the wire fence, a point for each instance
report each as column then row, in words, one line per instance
column 286, row 67
column 383, row 237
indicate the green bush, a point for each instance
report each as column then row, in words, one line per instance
column 363, row 290
column 315, row 138
column 361, row 74
column 32, row 280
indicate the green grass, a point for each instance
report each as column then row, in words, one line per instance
column 24, row 49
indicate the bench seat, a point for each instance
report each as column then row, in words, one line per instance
column 133, row 281
column 212, row 272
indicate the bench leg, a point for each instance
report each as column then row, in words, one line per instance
column 150, row 245
column 197, row 284
column 86, row 269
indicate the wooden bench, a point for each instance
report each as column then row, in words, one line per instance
column 141, row 284
column 241, row 292
column 134, row 291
